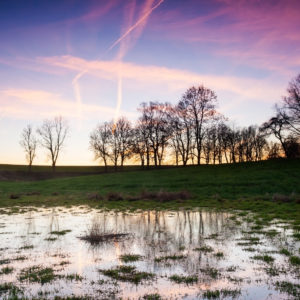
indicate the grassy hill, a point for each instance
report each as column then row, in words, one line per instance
column 268, row 184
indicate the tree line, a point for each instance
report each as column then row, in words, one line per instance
column 191, row 131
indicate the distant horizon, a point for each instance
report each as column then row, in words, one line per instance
column 93, row 61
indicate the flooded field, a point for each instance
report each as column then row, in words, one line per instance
column 82, row 253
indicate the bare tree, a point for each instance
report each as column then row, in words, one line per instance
column 145, row 129
column 285, row 125
column 290, row 110
column 53, row 134
column 29, row 144
column 200, row 103
column 182, row 133
column 99, row 142
column 158, row 130
column 123, row 133
column 276, row 126
column 139, row 143
column 273, row 150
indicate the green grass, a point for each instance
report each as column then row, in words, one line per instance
column 221, row 293
column 61, row 232
column 63, row 169
column 211, row 272
column 288, row 288
column 127, row 273
column 4, row 261
column 169, row 257
column 245, row 186
column 183, row 279
column 219, row 254
column 205, row 249
column 37, row 274
column 74, row 277
column 265, row 258
column 285, row 252
column 126, row 258
column 6, row 270
column 295, row 260
column 152, row 297
column 11, row 289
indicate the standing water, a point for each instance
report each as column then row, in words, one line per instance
column 92, row 254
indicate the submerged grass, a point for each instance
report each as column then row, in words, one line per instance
column 127, row 273
column 169, row 257
column 205, row 249
column 61, row 232
column 285, row 252
column 211, row 272
column 183, row 279
column 74, row 277
column 6, row 270
column 10, row 289
column 130, row 257
column 265, row 258
column 152, row 297
column 295, row 260
column 37, row 274
column 222, row 293
column 289, row 288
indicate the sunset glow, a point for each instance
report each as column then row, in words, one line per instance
column 93, row 61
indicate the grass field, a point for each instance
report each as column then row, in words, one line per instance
column 271, row 188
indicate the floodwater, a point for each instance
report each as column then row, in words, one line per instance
column 228, row 266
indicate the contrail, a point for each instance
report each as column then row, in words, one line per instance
column 120, row 80
column 119, row 99
column 135, row 25
column 79, row 75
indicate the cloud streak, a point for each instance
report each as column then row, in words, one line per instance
column 37, row 104
column 174, row 79
column 264, row 34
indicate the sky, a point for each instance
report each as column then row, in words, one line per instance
column 93, row 61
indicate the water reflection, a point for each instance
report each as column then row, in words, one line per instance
column 153, row 235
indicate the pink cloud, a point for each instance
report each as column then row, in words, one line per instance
column 174, row 79
column 250, row 31
column 37, row 104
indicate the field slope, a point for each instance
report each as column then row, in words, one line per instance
column 272, row 185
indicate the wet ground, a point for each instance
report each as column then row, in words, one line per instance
column 163, row 255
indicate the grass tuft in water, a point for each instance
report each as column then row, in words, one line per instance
column 126, row 258
column 51, row 239
column 152, row 297
column 297, row 236
column 285, row 252
column 249, row 249
column 74, row 277
column 26, row 247
column 183, row 279
column 4, row 261
column 266, row 258
column 20, row 258
column 205, row 249
column 11, row 289
column 61, row 232
column 127, row 273
column 288, row 288
column 6, row 270
column 219, row 254
column 212, row 272
column 295, row 260
column 169, row 257
column 37, row 274
column 221, row 293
